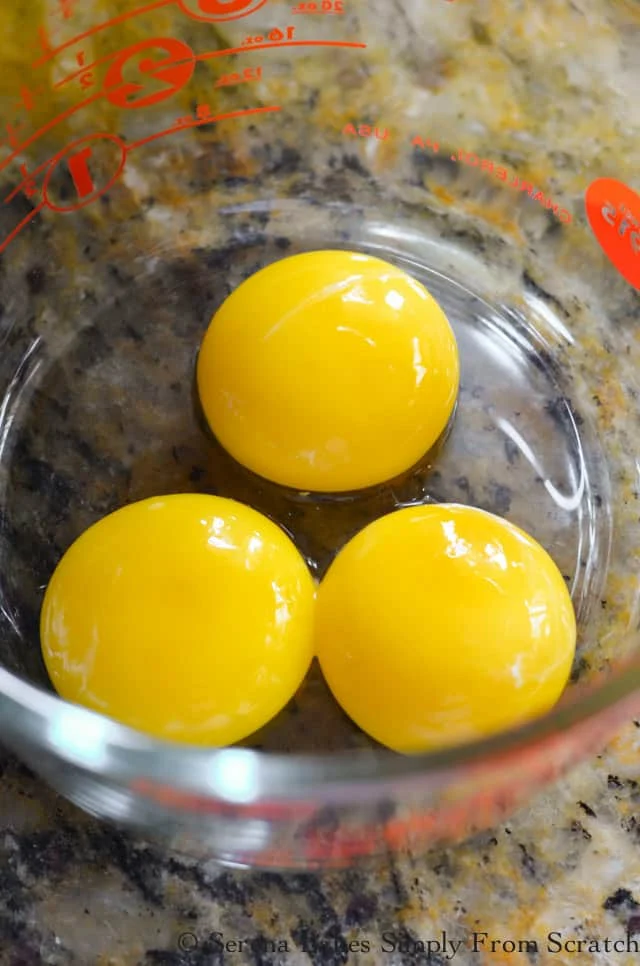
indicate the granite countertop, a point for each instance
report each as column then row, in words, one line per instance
column 75, row 891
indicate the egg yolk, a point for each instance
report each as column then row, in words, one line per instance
column 438, row 625
column 328, row 372
column 187, row 617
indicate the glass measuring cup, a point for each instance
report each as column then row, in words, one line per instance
column 156, row 154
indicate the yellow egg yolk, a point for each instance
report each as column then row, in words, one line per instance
column 328, row 372
column 187, row 617
column 438, row 625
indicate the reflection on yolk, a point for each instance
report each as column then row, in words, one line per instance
column 187, row 617
column 329, row 371
column 443, row 624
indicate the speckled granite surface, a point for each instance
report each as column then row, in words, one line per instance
column 73, row 891
column 77, row 893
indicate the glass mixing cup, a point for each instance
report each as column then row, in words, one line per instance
column 154, row 155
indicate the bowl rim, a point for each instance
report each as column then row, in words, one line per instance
column 78, row 737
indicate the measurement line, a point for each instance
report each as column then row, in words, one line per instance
column 132, row 147
column 208, row 120
column 285, row 43
column 48, row 126
column 91, row 66
column 28, row 180
column 102, row 26
column 136, row 144
column 218, row 53
column 232, row 19
column 23, row 224
column 206, row 56
column 167, row 62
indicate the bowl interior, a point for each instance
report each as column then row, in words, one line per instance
column 98, row 410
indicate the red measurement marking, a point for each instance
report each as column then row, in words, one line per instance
column 176, row 70
column 23, row 224
column 502, row 174
column 85, row 67
column 77, row 164
column 87, row 80
column 219, row 10
column 53, row 52
column 27, row 99
column 66, row 8
column 78, row 168
column 425, row 143
column 366, row 131
column 217, row 53
column 47, row 127
column 43, row 43
column 28, row 186
column 29, row 177
column 80, row 174
column 203, row 116
column 107, row 59
column 613, row 212
column 324, row 7
column 248, row 75
column 274, row 811
column 287, row 43
column 274, row 37
column 13, row 137
column 189, row 122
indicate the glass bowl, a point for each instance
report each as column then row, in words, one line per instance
column 131, row 219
